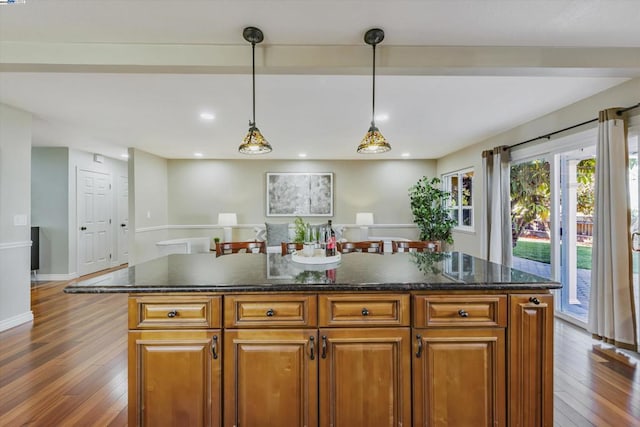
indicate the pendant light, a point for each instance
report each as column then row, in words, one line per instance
column 373, row 142
column 254, row 142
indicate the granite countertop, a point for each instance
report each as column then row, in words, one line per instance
column 276, row 273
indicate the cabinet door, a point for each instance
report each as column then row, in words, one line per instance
column 531, row 360
column 271, row 378
column 175, row 378
column 365, row 377
column 459, row 377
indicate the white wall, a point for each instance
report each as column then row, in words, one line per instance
column 624, row 95
column 15, row 200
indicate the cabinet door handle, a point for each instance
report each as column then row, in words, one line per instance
column 419, row 342
column 463, row 313
column 214, row 347
column 270, row 312
column 324, row 347
column 365, row 312
column 534, row 300
column 312, row 347
column 172, row 313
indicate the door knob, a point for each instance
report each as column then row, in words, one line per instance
column 83, row 228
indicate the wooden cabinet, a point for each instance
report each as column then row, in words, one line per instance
column 271, row 370
column 365, row 368
column 175, row 355
column 530, row 360
column 459, row 368
column 271, row 378
column 334, row 359
column 365, row 377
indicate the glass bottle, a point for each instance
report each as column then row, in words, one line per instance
column 331, row 240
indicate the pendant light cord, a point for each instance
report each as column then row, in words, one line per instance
column 373, row 102
column 253, row 73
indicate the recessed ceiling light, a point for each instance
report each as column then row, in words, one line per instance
column 406, row 154
column 124, row 155
column 207, row 116
column 197, row 154
column 302, row 155
column 381, row 117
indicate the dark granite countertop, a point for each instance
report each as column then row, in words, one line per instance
column 276, row 273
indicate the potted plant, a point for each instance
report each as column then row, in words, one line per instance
column 430, row 212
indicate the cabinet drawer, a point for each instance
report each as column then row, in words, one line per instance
column 479, row 310
column 363, row 310
column 270, row 310
column 169, row 312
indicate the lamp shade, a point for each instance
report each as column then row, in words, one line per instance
column 227, row 219
column 364, row 218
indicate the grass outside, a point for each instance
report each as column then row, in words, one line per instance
column 541, row 251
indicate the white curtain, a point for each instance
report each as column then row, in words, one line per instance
column 497, row 205
column 611, row 303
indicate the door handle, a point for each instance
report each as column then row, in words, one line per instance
column 123, row 225
column 83, row 228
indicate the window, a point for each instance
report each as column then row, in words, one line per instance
column 460, row 185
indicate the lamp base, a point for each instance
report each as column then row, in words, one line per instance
column 228, row 234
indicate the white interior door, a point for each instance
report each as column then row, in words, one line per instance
column 93, row 221
column 123, row 219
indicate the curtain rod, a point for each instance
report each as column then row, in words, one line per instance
column 549, row 135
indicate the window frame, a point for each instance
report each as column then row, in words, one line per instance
column 447, row 186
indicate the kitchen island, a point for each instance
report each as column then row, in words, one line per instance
column 394, row 339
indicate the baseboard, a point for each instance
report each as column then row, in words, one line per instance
column 16, row 320
column 55, row 277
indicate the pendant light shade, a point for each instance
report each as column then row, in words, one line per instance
column 254, row 142
column 373, row 142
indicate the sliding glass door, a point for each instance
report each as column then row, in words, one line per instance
column 552, row 198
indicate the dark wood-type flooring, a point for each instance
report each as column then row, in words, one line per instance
column 69, row 367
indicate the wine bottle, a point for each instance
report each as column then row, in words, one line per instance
column 331, row 240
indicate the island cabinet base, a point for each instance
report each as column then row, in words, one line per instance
column 306, row 359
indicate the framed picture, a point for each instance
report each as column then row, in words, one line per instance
column 300, row 194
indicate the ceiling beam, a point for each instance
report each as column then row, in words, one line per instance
column 318, row 60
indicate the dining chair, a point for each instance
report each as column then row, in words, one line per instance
column 226, row 248
column 290, row 247
column 414, row 246
column 368, row 246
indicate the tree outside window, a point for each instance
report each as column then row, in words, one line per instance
column 460, row 185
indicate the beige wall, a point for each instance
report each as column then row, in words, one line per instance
column 624, row 95
column 197, row 190
column 15, row 200
column 148, row 202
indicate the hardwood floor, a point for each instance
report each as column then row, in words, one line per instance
column 70, row 368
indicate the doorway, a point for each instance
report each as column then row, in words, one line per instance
column 93, row 220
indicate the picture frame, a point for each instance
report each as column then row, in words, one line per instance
column 299, row 194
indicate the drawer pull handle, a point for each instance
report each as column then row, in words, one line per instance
column 535, row 300
column 463, row 313
column 365, row 312
column 312, row 347
column 270, row 312
column 214, row 347
column 324, row 347
column 172, row 313
column 419, row 341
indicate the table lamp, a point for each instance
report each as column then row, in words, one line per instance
column 227, row 221
column 364, row 219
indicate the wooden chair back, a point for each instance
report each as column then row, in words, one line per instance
column 289, row 247
column 226, row 248
column 369, row 246
column 414, row 246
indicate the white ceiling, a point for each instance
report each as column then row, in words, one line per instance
column 105, row 75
